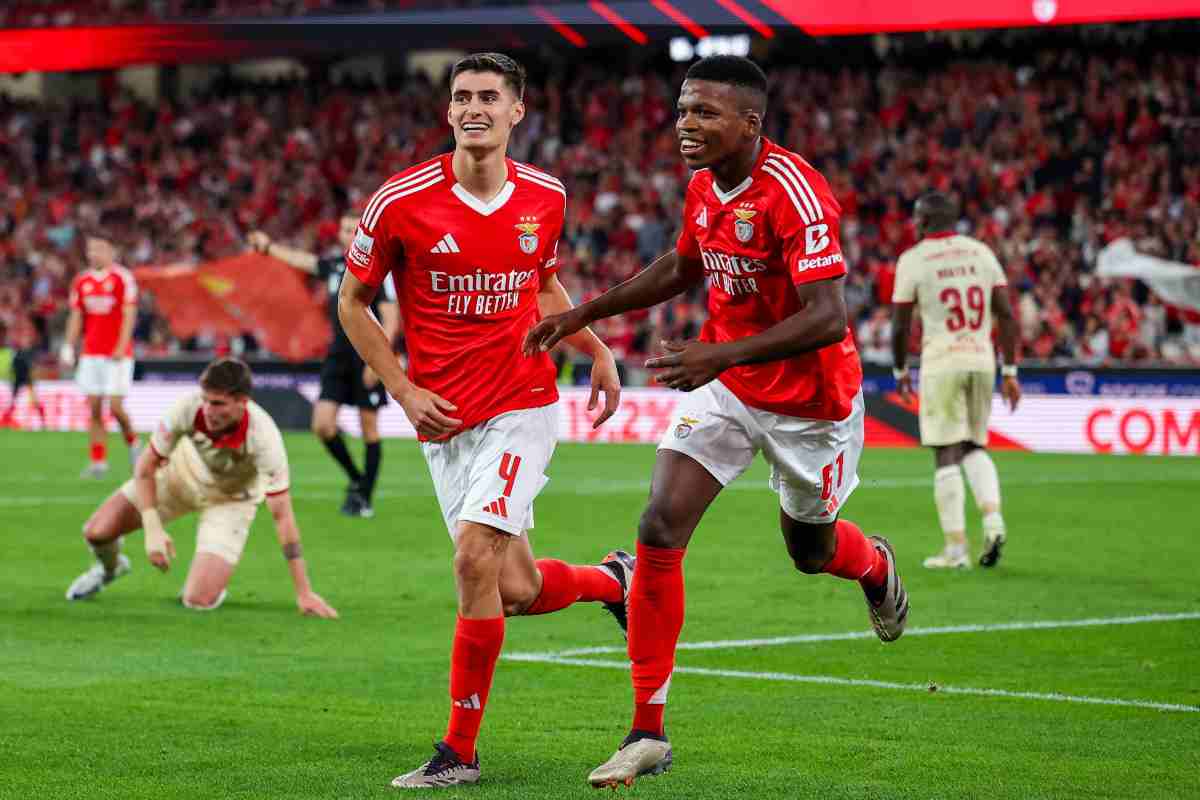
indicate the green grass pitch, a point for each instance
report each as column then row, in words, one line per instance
column 131, row 696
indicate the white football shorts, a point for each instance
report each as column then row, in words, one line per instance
column 222, row 526
column 491, row 473
column 814, row 463
column 956, row 407
column 101, row 376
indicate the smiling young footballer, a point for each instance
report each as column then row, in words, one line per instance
column 775, row 371
column 471, row 238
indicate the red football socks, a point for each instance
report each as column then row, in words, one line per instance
column 856, row 558
column 99, row 452
column 477, row 644
column 656, row 605
column 564, row 584
column 131, row 439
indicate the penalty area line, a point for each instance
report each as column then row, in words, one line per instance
column 829, row 680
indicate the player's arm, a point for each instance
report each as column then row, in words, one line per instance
column 1006, row 321
column 288, row 533
column 820, row 322
column 389, row 320
column 426, row 410
column 66, row 353
column 292, row 256
column 667, row 276
column 160, row 549
column 128, row 320
column 553, row 299
column 902, row 314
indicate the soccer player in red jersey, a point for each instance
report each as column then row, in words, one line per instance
column 104, row 309
column 775, row 370
column 471, row 239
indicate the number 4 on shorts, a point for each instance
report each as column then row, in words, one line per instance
column 509, row 465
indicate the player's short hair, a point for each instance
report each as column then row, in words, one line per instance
column 228, row 375
column 939, row 210
column 736, row 71
column 504, row 66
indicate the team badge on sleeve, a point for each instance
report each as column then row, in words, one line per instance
column 743, row 228
column 360, row 251
column 528, row 240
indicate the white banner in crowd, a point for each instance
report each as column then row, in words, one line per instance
column 1177, row 284
column 1044, row 423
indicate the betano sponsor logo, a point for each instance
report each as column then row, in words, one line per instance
column 804, row 264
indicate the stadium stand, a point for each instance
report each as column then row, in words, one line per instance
column 1054, row 153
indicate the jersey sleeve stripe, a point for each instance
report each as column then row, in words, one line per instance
column 400, row 183
column 773, row 171
column 394, row 195
column 805, row 188
column 556, row 187
column 537, row 173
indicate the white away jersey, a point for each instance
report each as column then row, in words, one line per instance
column 951, row 278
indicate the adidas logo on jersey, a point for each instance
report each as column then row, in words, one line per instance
column 702, row 218
column 446, row 245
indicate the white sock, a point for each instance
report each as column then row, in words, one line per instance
column 993, row 526
column 949, row 495
column 216, row 603
column 981, row 474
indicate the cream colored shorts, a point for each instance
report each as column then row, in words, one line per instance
column 814, row 462
column 955, row 407
column 222, row 526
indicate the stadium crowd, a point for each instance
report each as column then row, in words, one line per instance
column 1051, row 160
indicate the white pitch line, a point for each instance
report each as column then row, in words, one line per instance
column 871, row 684
column 808, row 638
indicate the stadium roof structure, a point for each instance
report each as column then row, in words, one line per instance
column 570, row 24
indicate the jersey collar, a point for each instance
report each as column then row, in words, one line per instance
column 474, row 203
column 230, row 441
column 939, row 235
column 724, row 198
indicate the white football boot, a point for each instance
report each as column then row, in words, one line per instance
column 95, row 579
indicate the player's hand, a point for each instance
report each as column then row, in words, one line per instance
column 428, row 413
column 553, row 329
column 312, row 604
column 159, row 549
column 258, row 241
column 66, row 354
column 369, row 376
column 689, row 365
column 605, row 378
column 905, row 388
column 1010, row 388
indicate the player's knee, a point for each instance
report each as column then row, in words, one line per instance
column 811, row 554
column 202, row 599
column 518, row 599
column 94, row 530
column 324, row 429
column 657, row 530
column 472, row 566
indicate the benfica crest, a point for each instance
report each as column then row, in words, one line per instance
column 528, row 238
column 743, row 228
column 684, row 428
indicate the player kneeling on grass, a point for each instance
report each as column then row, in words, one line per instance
column 216, row 453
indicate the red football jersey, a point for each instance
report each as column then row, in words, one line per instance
column 776, row 230
column 101, row 297
column 468, row 275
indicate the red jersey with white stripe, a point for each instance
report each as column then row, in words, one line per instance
column 775, row 231
column 467, row 274
column 101, row 296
